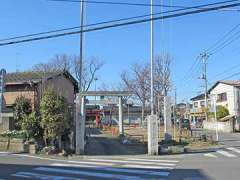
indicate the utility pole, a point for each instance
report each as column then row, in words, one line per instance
column 204, row 57
column 80, row 119
column 153, row 119
column 81, row 44
column 152, row 57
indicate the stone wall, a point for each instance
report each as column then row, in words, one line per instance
column 13, row 145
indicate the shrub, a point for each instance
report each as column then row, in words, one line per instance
column 22, row 108
column 54, row 116
column 31, row 125
column 14, row 134
column 222, row 112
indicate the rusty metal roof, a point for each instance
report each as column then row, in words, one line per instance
column 36, row 77
column 21, row 77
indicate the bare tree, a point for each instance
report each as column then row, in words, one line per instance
column 72, row 64
column 137, row 80
column 89, row 70
column 162, row 79
column 58, row 62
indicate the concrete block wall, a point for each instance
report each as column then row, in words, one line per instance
column 13, row 145
column 6, row 122
column 222, row 126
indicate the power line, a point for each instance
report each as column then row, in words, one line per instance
column 223, row 38
column 192, row 67
column 131, row 4
column 226, row 43
column 235, row 74
column 129, row 23
column 41, row 33
column 118, row 3
column 227, row 70
column 104, row 22
column 114, row 21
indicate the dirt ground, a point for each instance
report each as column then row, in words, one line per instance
column 104, row 143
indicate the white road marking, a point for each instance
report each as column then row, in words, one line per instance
column 145, row 167
column 30, row 175
column 225, row 153
column 92, row 163
column 37, row 157
column 88, row 173
column 4, row 152
column 210, row 155
column 131, row 162
column 234, row 149
column 61, row 160
column 143, row 172
column 153, row 160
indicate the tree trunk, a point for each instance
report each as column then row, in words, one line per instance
column 143, row 112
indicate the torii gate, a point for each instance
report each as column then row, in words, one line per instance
column 80, row 115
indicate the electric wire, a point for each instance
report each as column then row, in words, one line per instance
column 112, row 21
column 127, row 23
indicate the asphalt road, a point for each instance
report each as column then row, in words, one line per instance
column 221, row 164
column 111, row 167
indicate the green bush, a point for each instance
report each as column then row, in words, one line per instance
column 222, row 112
column 21, row 110
column 14, row 134
column 55, row 119
column 31, row 125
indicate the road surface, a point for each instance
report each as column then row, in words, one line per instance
column 221, row 164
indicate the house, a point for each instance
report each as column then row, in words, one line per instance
column 197, row 111
column 227, row 94
column 181, row 109
column 32, row 85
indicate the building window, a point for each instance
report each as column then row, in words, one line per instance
column 202, row 103
column 195, row 104
column 222, row 97
column 209, row 102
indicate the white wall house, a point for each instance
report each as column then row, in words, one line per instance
column 227, row 94
column 198, row 107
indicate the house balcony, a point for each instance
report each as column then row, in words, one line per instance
column 197, row 110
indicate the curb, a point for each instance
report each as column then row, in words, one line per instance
column 204, row 150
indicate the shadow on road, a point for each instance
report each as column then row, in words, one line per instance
column 113, row 146
column 188, row 174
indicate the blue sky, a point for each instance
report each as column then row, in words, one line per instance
column 183, row 37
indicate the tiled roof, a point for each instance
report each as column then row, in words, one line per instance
column 21, row 77
column 199, row 97
column 235, row 83
column 231, row 82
